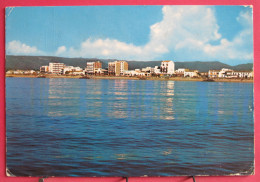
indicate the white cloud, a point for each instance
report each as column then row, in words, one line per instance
column 60, row 50
column 189, row 30
column 240, row 47
column 181, row 27
column 105, row 48
column 185, row 33
column 17, row 48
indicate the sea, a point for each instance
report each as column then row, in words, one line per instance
column 91, row 127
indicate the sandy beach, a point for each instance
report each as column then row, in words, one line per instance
column 135, row 78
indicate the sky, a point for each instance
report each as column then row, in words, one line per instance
column 141, row 33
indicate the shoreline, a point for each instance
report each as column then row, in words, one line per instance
column 135, row 78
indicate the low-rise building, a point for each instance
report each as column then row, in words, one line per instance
column 180, row 72
column 242, row 74
column 44, row 69
column 29, row 72
column 204, row 74
column 22, row 72
column 147, row 69
column 9, row 72
column 71, row 70
column 229, row 73
column 213, row 73
column 100, row 71
column 191, row 73
column 156, row 70
column 18, row 72
column 135, row 72
column 225, row 73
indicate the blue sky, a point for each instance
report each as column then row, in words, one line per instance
column 178, row 33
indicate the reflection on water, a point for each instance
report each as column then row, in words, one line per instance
column 77, row 127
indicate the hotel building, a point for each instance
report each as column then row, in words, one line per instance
column 117, row 68
column 56, row 68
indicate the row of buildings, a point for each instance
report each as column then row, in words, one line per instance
column 61, row 69
column 229, row 73
column 120, row 68
column 115, row 68
column 166, row 68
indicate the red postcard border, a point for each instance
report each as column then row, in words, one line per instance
column 256, row 16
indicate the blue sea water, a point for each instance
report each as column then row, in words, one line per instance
column 87, row 127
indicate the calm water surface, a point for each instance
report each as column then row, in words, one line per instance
column 78, row 127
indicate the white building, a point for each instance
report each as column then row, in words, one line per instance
column 56, row 68
column 21, row 72
column 181, row 71
column 213, row 73
column 191, row 74
column 18, row 72
column 229, row 73
column 243, row 74
column 29, row 72
column 167, row 67
column 90, row 68
column 100, row 71
column 134, row 73
column 225, row 73
column 147, row 69
column 10, row 72
column 156, row 70
column 72, row 70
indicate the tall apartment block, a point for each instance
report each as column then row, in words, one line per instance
column 56, row 68
column 117, row 68
column 91, row 66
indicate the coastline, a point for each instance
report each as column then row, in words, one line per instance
column 134, row 78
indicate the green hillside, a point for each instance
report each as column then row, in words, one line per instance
column 35, row 62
